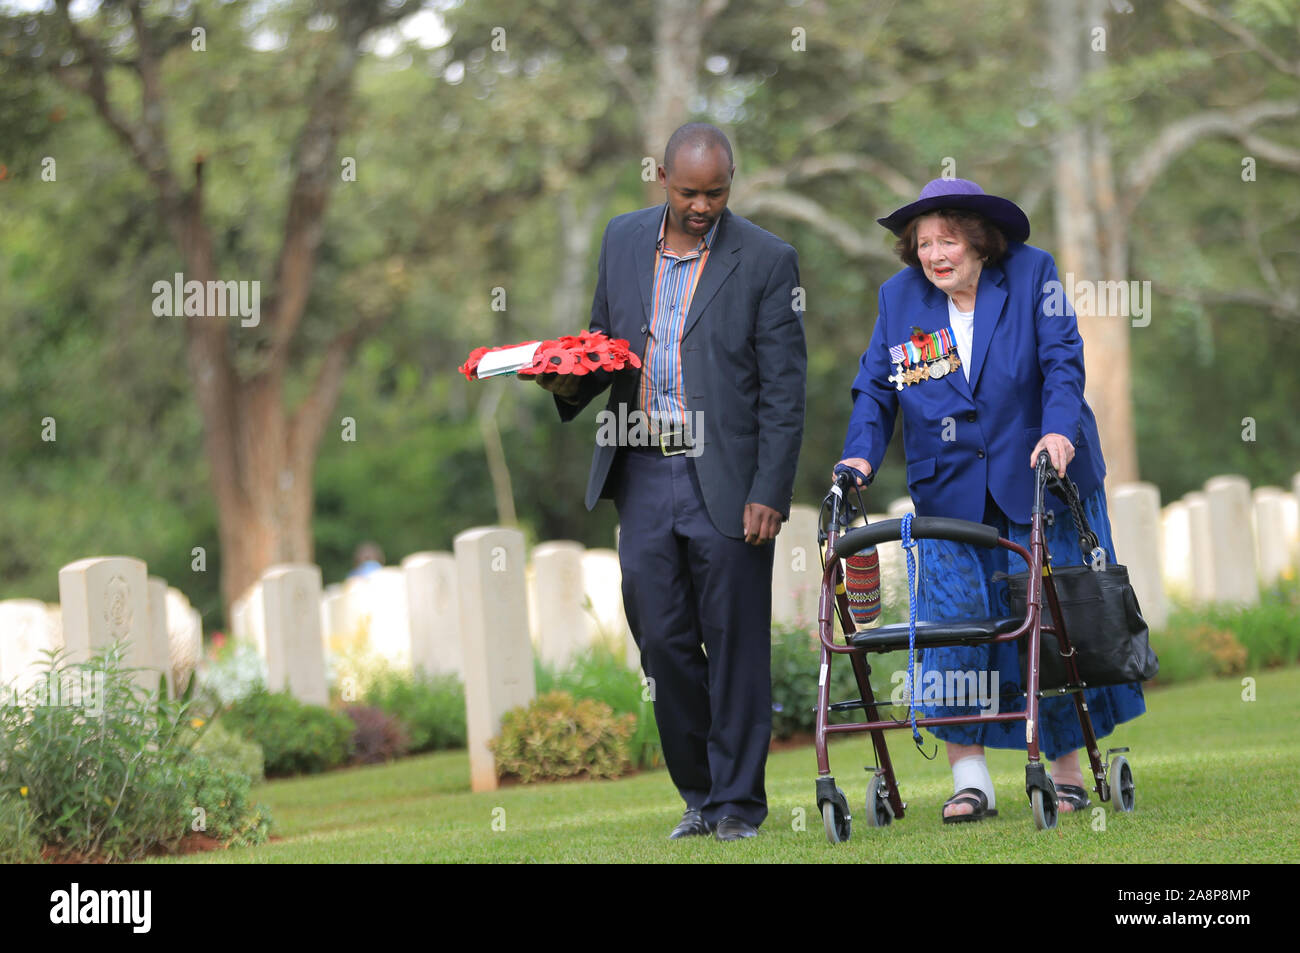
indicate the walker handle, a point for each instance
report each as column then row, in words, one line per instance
column 846, row 476
column 923, row 527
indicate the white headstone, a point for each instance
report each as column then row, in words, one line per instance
column 1202, row 547
column 105, row 599
column 1291, row 508
column 893, row 560
column 25, row 635
column 632, row 654
column 602, row 583
column 354, row 614
column 390, row 620
column 184, row 637
column 331, row 614
column 1176, row 550
column 564, row 627
column 1135, row 528
column 796, row 570
column 295, row 658
column 160, row 648
column 893, row 571
column 241, row 626
column 257, row 618
column 901, row 507
column 54, row 624
column 1272, row 533
column 494, row 637
column 1232, row 542
column 435, row 614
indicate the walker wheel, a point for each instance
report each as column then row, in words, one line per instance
column 1044, row 808
column 1119, row 777
column 836, row 820
column 880, row 813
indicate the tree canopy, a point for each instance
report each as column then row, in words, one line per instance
column 483, row 170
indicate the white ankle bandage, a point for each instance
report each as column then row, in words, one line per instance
column 973, row 772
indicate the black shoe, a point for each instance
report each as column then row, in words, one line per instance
column 734, row 828
column 1074, row 796
column 691, row 825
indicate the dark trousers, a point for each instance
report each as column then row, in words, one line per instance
column 700, row 606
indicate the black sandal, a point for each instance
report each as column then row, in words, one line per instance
column 1074, row 795
column 974, row 797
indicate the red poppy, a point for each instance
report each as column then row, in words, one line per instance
column 579, row 354
column 557, row 359
column 471, row 362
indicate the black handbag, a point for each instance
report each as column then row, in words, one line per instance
column 1102, row 616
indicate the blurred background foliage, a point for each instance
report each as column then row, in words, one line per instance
column 480, row 169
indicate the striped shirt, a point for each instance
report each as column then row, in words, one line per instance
column 662, row 393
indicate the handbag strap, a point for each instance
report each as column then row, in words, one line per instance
column 1068, row 492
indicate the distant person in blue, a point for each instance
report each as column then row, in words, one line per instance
column 987, row 374
column 367, row 558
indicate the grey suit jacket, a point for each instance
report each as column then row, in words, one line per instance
column 742, row 353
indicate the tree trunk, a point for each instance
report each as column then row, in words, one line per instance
column 680, row 26
column 576, row 233
column 1091, row 243
column 261, row 453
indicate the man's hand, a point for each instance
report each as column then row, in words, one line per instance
column 1058, row 448
column 856, row 463
column 762, row 523
column 561, row 385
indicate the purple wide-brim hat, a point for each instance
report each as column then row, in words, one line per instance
column 964, row 194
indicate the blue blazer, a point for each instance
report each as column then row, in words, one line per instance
column 965, row 439
column 743, row 360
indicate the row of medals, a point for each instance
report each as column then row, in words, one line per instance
column 924, row 372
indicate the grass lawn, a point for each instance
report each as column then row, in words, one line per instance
column 1215, row 782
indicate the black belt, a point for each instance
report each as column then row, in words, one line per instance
column 668, row 443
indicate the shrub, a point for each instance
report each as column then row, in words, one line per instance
column 226, row 749
column 105, row 769
column 1225, row 655
column 296, row 738
column 430, row 707
column 378, row 736
column 557, row 736
column 1270, row 631
column 232, row 671
column 601, row 674
column 18, row 841
column 1228, row 640
column 1180, row 659
column 222, row 808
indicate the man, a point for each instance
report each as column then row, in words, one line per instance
column 709, row 300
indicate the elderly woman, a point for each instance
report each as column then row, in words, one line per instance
column 986, row 379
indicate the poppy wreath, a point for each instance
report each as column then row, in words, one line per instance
column 577, row 354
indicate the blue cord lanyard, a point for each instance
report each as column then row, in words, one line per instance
column 909, row 544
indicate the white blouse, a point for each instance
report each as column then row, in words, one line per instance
column 963, row 332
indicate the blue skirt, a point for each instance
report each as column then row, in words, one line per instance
column 956, row 581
